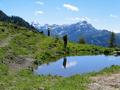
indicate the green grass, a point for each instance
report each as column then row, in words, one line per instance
column 25, row 80
column 42, row 49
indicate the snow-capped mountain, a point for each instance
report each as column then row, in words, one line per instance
column 80, row 30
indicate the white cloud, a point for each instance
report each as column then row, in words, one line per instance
column 39, row 2
column 114, row 16
column 70, row 64
column 83, row 18
column 39, row 12
column 71, row 7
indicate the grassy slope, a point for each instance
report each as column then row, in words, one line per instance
column 26, row 43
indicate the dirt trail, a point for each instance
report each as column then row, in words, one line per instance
column 6, row 41
column 111, row 82
column 21, row 63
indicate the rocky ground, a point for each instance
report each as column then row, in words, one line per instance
column 6, row 41
column 111, row 82
column 15, row 63
column 21, row 63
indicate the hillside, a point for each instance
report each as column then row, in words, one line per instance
column 59, row 45
column 80, row 30
column 21, row 47
column 15, row 20
column 21, row 41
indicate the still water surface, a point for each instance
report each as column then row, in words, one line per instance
column 72, row 65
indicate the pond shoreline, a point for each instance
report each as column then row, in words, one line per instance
column 72, row 65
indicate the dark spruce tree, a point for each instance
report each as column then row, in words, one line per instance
column 112, row 40
column 41, row 32
column 49, row 31
column 82, row 41
column 65, row 41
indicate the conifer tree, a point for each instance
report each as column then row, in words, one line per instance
column 65, row 41
column 112, row 40
column 82, row 41
column 48, row 31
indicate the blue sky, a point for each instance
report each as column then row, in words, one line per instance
column 103, row 14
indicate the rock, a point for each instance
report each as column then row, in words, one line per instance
column 41, row 88
column 116, row 53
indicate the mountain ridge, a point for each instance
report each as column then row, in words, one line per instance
column 15, row 20
column 79, row 30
